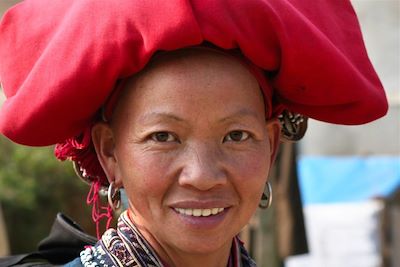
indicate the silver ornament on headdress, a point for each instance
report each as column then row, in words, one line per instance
column 294, row 125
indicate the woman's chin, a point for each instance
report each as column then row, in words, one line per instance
column 204, row 245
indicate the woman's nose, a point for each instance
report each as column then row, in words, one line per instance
column 203, row 168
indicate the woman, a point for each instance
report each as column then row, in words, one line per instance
column 177, row 102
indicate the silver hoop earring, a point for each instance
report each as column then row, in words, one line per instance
column 266, row 198
column 114, row 196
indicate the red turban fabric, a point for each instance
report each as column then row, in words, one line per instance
column 61, row 59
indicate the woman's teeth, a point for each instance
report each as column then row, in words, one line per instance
column 199, row 212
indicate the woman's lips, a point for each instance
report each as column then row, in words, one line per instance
column 199, row 212
column 201, row 217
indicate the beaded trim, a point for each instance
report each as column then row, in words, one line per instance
column 122, row 247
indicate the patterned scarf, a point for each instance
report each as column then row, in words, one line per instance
column 125, row 246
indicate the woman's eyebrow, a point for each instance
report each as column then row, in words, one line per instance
column 160, row 116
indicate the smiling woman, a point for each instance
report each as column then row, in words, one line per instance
column 190, row 143
column 183, row 105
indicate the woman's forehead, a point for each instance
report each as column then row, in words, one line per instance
column 192, row 79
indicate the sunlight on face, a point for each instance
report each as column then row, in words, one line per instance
column 192, row 150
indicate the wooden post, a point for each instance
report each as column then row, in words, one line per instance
column 390, row 231
column 4, row 246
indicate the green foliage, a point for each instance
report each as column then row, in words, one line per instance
column 34, row 186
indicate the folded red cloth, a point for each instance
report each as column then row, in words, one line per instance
column 60, row 60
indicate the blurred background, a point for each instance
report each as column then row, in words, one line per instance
column 348, row 178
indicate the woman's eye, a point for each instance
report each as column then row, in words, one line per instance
column 163, row 137
column 237, row 136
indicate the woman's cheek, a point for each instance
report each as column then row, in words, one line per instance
column 146, row 173
column 252, row 164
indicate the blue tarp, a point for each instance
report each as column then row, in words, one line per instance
column 347, row 179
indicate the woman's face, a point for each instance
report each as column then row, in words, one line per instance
column 190, row 144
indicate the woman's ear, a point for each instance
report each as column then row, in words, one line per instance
column 104, row 144
column 274, row 133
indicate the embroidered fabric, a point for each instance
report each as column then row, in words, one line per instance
column 125, row 246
